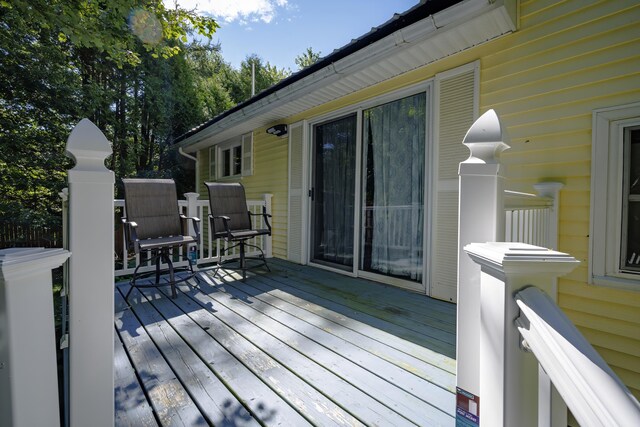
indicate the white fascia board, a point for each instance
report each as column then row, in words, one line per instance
column 274, row 107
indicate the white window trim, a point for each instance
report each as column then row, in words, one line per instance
column 606, row 196
column 216, row 159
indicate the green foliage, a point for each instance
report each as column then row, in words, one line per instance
column 266, row 75
column 120, row 63
column 116, row 27
column 124, row 64
column 309, row 57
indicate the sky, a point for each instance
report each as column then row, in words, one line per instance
column 279, row 30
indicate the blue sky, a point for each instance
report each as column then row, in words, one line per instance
column 280, row 30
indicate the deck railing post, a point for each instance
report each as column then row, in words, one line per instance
column 508, row 374
column 192, row 209
column 551, row 190
column 91, row 278
column 28, row 373
column 268, row 240
column 481, row 219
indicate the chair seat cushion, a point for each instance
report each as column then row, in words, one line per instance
column 247, row 234
column 165, row 242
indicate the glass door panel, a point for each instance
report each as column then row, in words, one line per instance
column 393, row 188
column 333, row 192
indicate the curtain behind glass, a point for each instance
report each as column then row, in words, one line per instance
column 334, row 191
column 393, row 188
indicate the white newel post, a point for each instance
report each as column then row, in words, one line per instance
column 508, row 374
column 28, row 370
column 481, row 219
column 268, row 240
column 192, row 209
column 551, row 190
column 91, row 278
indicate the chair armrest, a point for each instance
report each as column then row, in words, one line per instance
column 225, row 221
column 185, row 225
column 130, row 234
column 264, row 215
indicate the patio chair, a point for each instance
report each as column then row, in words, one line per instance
column 230, row 220
column 154, row 227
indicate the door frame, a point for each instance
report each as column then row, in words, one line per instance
column 427, row 87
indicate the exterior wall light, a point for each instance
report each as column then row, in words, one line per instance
column 278, row 130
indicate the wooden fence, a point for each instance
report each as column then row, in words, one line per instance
column 14, row 235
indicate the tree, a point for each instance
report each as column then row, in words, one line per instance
column 211, row 78
column 116, row 27
column 266, row 75
column 308, row 58
column 119, row 62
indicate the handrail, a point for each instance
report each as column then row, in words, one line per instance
column 519, row 200
column 531, row 218
column 590, row 388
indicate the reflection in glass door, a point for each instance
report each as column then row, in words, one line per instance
column 393, row 188
column 333, row 192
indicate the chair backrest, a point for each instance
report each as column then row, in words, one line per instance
column 153, row 205
column 228, row 199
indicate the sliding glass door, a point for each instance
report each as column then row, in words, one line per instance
column 368, row 215
column 333, row 192
column 393, row 188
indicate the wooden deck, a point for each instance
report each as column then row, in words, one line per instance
column 297, row 346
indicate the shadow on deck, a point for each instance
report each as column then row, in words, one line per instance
column 296, row 346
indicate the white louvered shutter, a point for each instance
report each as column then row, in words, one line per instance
column 247, row 154
column 457, row 107
column 295, row 236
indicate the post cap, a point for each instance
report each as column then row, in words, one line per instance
column 486, row 139
column 521, row 259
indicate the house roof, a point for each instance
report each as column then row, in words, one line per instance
column 429, row 31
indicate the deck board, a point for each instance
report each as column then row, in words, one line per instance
column 132, row 407
column 286, row 348
column 217, row 404
column 351, row 334
column 170, row 401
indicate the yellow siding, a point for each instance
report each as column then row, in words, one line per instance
column 269, row 176
column 567, row 59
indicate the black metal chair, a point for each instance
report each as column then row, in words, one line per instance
column 230, row 220
column 154, row 226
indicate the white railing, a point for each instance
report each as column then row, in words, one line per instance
column 531, row 218
column 208, row 248
column 501, row 281
column 590, row 388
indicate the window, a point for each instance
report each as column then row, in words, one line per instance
column 615, row 197
column 232, row 158
column 631, row 201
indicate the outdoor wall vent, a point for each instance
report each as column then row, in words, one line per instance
column 278, row 130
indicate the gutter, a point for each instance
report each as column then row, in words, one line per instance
column 417, row 13
column 404, row 31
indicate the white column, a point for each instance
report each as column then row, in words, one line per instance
column 509, row 375
column 481, row 219
column 91, row 278
column 192, row 209
column 268, row 240
column 28, row 369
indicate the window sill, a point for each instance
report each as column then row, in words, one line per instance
column 626, row 284
column 235, row 178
